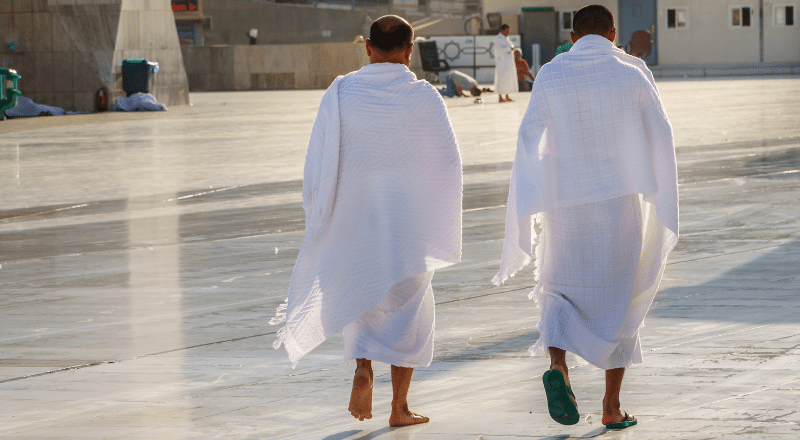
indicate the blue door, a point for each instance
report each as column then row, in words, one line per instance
column 637, row 15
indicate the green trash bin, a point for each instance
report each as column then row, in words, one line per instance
column 137, row 75
column 9, row 91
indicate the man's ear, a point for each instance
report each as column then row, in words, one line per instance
column 368, row 45
column 612, row 34
column 407, row 54
column 572, row 35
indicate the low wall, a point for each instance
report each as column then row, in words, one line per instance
column 270, row 67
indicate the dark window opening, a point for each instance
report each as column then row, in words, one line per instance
column 790, row 16
column 745, row 17
column 670, row 18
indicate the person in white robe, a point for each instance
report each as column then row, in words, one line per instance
column 593, row 201
column 382, row 191
column 505, row 71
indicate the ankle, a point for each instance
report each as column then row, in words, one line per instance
column 399, row 407
column 610, row 404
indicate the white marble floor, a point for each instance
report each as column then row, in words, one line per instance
column 142, row 256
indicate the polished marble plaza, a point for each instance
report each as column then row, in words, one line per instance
column 142, row 256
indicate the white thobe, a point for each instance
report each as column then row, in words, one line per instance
column 382, row 195
column 505, row 71
column 595, row 169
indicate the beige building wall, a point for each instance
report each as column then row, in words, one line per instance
column 708, row 37
column 781, row 43
column 70, row 49
column 514, row 7
column 271, row 67
column 52, row 68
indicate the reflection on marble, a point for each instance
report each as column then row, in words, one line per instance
column 142, row 255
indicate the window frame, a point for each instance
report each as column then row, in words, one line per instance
column 775, row 15
column 741, row 25
column 561, row 13
column 685, row 10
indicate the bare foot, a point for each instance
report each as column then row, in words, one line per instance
column 361, row 396
column 404, row 417
column 501, row 99
column 565, row 371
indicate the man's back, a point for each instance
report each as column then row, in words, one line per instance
column 596, row 108
column 382, row 192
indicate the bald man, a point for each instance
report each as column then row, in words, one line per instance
column 382, row 194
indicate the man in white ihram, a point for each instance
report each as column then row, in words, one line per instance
column 505, row 71
column 595, row 169
column 382, row 195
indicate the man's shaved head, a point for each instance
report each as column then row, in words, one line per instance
column 593, row 19
column 390, row 33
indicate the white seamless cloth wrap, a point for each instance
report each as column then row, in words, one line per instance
column 505, row 71
column 594, row 130
column 382, row 195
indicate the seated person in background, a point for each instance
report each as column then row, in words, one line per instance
column 457, row 82
column 523, row 71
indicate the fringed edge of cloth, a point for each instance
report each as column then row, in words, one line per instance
column 280, row 318
column 537, row 252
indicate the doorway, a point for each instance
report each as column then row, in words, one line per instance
column 638, row 15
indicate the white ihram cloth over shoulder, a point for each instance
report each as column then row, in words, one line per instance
column 382, row 195
column 505, row 71
column 595, row 170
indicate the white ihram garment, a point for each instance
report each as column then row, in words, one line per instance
column 382, row 195
column 505, row 71
column 595, row 169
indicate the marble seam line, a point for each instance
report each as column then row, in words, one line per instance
column 727, row 398
column 795, row 243
column 93, row 364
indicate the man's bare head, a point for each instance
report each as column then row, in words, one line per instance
column 390, row 40
column 390, row 33
column 593, row 20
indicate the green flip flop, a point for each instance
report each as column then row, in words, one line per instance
column 625, row 423
column 562, row 409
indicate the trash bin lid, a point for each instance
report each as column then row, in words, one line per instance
column 153, row 65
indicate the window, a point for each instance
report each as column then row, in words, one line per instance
column 676, row 18
column 566, row 20
column 783, row 15
column 740, row 16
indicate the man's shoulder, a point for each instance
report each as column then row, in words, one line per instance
column 612, row 66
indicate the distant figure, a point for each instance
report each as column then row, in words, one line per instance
column 595, row 170
column 456, row 82
column 523, row 71
column 505, row 76
column 382, row 197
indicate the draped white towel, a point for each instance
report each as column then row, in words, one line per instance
column 594, row 131
column 382, row 194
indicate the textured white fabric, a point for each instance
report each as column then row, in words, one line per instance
column 505, row 71
column 595, row 131
column 399, row 330
column 382, row 194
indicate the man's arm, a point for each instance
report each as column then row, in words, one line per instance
column 460, row 91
